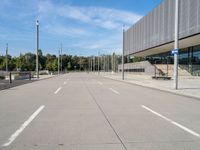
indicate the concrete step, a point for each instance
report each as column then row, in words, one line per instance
column 163, row 68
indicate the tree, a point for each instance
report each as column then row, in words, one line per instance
column 69, row 66
column 27, row 62
column 51, row 62
column 42, row 60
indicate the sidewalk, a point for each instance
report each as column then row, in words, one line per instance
column 4, row 84
column 188, row 85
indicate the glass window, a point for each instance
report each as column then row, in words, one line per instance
column 183, row 57
column 196, row 55
column 196, row 61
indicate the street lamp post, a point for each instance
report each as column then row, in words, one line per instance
column 61, row 58
column 37, row 48
column 98, row 63
column 176, row 44
column 108, row 63
column 88, row 64
column 122, row 66
column 91, row 63
column 58, row 62
column 104, row 63
column 94, row 64
column 7, row 57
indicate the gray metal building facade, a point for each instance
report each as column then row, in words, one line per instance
column 157, row 28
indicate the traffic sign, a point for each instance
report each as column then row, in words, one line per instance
column 174, row 51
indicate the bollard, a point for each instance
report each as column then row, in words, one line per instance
column 10, row 78
column 29, row 75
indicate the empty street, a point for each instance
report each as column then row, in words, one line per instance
column 85, row 111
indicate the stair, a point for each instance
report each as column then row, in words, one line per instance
column 163, row 68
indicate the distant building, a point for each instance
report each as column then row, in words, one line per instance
column 152, row 36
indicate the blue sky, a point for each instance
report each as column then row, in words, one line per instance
column 84, row 27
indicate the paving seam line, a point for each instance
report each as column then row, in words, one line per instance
column 103, row 113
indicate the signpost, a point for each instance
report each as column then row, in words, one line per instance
column 174, row 51
column 176, row 44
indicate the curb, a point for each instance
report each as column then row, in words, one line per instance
column 162, row 90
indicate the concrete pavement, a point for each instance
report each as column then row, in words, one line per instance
column 4, row 84
column 88, row 112
column 187, row 85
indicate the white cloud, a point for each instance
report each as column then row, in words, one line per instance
column 65, row 31
column 106, row 45
column 78, row 27
column 45, row 7
column 107, row 18
column 94, row 28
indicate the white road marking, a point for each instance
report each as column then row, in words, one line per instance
column 23, row 126
column 57, row 90
column 100, row 83
column 171, row 121
column 65, row 83
column 116, row 92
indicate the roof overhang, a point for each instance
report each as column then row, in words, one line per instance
column 183, row 43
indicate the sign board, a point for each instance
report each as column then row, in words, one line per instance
column 174, row 51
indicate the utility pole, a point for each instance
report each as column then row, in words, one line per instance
column 108, row 63
column 176, row 44
column 61, row 57
column 37, row 48
column 98, row 63
column 122, row 66
column 91, row 63
column 7, row 57
column 94, row 64
column 58, row 62
column 88, row 64
column 101, row 63
column 104, row 63
column 112, row 60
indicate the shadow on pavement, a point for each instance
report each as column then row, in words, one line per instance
column 4, row 84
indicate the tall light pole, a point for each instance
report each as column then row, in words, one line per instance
column 61, row 57
column 91, row 63
column 37, row 48
column 104, row 63
column 98, row 63
column 7, row 57
column 94, row 64
column 176, row 44
column 123, row 48
column 58, row 62
column 108, row 63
